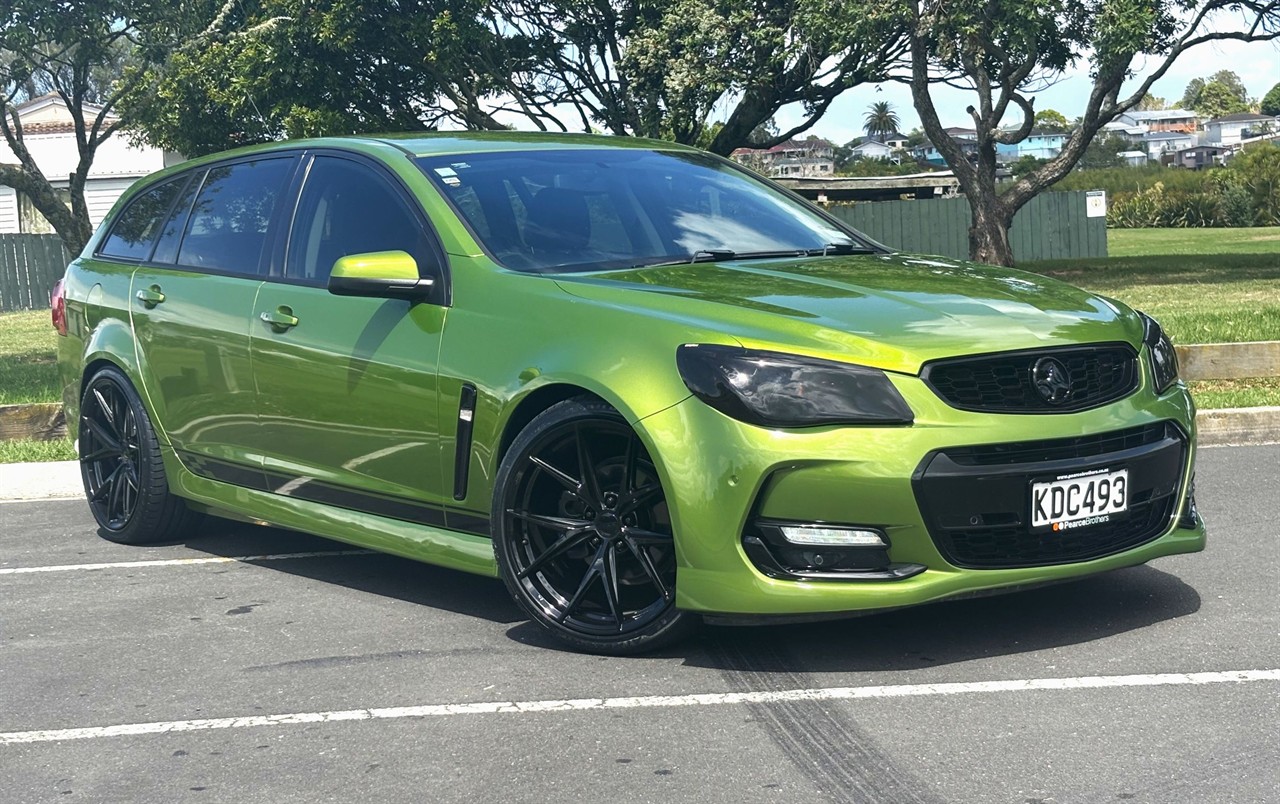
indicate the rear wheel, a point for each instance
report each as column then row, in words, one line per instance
column 121, row 466
column 583, row 535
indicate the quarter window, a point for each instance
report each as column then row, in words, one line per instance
column 135, row 228
column 346, row 208
column 228, row 226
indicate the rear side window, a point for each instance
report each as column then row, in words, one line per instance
column 227, row 229
column 136, row 227
column 171, row 235
column 347, row 208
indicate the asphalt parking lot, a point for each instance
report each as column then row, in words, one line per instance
column 253, row 665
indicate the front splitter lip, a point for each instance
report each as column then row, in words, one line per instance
column 764, row 596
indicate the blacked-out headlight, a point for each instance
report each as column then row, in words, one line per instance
column 780, row 390
column 1164, row 360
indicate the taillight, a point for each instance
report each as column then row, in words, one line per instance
column 58, row 303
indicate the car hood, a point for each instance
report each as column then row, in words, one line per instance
column 891, row 311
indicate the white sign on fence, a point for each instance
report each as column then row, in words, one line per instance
column 1095, row 204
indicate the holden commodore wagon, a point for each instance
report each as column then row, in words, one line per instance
column 636, row 382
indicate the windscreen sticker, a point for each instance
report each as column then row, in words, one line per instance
column 446, row 172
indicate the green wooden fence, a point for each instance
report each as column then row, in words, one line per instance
column 1052, row 226
column 29, row 265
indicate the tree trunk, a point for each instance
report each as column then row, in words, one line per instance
column 989, row 232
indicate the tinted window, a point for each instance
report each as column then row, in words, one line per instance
column 136, row 227
column 228, row 225
column 586, row 209
column 171, row 234
column 347, row 208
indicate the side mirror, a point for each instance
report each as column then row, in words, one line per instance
column 382, row 274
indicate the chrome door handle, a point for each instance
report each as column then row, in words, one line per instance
column 281, row 319
column 150, row 297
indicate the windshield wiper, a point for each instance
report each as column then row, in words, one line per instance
column 838, row 248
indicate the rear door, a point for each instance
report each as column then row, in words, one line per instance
column 347, row 385
column 191, row 304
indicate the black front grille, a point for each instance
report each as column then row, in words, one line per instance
column 1003, row 383
column 976, row 501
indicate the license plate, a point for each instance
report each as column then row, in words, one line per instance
column 1078, row 501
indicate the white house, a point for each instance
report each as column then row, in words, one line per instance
column 1232, row 128
column 872, row 149
column 1160, row 120
column 1159, row 142
column 49, row 135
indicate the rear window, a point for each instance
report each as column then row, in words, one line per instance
column 227, row 229
column 136, row 227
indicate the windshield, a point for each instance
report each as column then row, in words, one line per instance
column 592, row 209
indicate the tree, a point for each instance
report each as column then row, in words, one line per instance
column 1217, row 99
column 1004, row 50
column 1104, row 152
column 76, row 51
column 1050, row 120
column 670, row 69
column 1271, row 102
column 881, row 120
column 1230, row 86
column 1152, row 103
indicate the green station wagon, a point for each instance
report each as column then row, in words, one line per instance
column 636, row 382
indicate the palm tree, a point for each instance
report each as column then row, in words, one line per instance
column 881, row 120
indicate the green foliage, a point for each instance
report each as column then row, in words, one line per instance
column 879, row 167
column 1135, row 179
column 1257, row 171
column 881, row 120
column 1209, row 96
column 1051, row 120
column 686, row 70
column 1026, row 164
column 1151, row 103
column 1104, row 152
column 1218, row 99
column 1271, row 102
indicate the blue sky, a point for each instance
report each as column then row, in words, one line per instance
column 1257, row 64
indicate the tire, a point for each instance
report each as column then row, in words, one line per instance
column 121, row 467
column 582, row 532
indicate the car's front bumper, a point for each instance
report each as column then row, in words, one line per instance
column 723, row 477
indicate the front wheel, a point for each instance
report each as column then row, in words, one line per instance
column 582, row 532
column 121, row 466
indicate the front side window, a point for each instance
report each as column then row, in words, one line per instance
column 346, row 208
column 227, row 229
column 566, row 210
column 136, row 227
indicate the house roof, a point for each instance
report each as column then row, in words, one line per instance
column 51, row 99
column 1240, row 117
column 1161, row 114
column 1168, row 135
column 800, row 145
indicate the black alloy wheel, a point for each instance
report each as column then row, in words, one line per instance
column 121, row 466
column 583, row 535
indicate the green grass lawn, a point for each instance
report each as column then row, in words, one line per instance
column 1204, row 285
column 28, row 364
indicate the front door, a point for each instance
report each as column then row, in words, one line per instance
column 347, row 385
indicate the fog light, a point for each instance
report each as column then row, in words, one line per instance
column 818, row 536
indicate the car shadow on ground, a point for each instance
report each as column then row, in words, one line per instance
column 375, row 573
column 943, row 633
column 924, row 636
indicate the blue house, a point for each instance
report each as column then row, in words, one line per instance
column 1040, row 144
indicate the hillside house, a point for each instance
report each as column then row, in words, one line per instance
column 872, row 149
column 1162, row 120
column 1160, row 142
column 1233, row 128
column 811, row 157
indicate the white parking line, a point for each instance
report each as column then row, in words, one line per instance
column 651, row 701
column 181, row 562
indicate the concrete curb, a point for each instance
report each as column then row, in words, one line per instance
column 1234, row 427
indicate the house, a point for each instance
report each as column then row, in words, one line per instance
column 49, row 134
column 811, row 157
column 1200, row 156
column 1133, row 158
column 1233, row 128
column 872, row 149
column 896, row 140
column 927, row 153
column 1162, row 120
column 1159, row 142
column 1039, row 143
